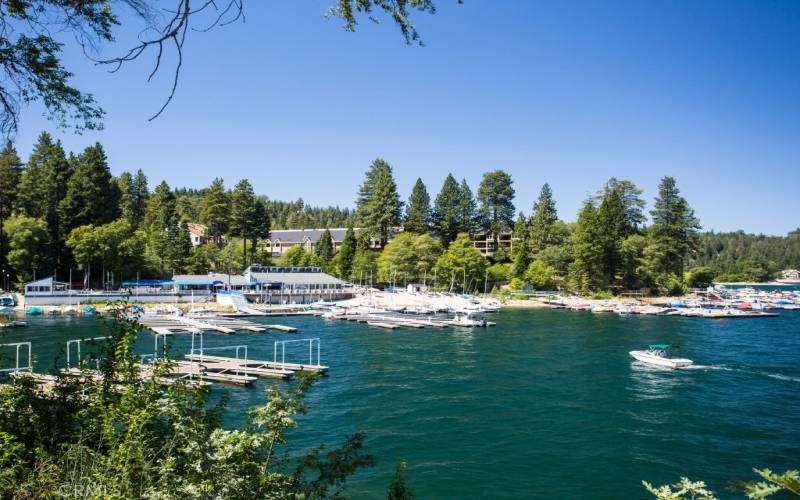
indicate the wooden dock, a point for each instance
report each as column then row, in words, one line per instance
column 258, row 364
column 165, row 324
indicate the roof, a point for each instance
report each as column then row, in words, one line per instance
column 196, row 229
column 297, row 278
column 41, row 282
column 210, row 279
column 299, row 235
column 658, row 346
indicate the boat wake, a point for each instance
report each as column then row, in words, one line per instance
column 778, row 376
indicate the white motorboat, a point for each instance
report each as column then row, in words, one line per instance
column 658, row 354
column 468, row 319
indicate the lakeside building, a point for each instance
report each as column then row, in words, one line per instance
column 263, row 284
column 790, row 275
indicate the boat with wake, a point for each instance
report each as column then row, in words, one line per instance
column 658, row 355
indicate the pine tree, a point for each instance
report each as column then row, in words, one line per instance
column 347, row 254
column 418, row 210
column 161, row 208
column 398, row 489
column 496, row 196
column 183, row 247
column 521, row 244
column 215, row 208
column 611, row 218
column 674, row 228
column 631, row 200
column 447, row 215
column 378, row 205
column 243, row 211
column 324, row 249
column 133, row 197
column 261, row 225
column 91, row 195
column 541, row 231
column 42, row 187
column 467, row 209
column 586, row 271
column 10, row 172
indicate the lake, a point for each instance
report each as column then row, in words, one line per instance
column 546, row 404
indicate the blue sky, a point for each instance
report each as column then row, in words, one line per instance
column 567, row 92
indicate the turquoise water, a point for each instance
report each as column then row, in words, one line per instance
column 546, row 404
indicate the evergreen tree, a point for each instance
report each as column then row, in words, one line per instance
column 215, row 209
column 347, row 254
column 631, row 200
column 324, row 249
column 418, row 210
column 378, row 205
column 467, row 209
column 364, row 261
column 42, row 187
column 674, row 228
column 496, row 196
column 520, row 244
column 586, row 270
column 10, row 172
column 161, row 208
column 447, row 216
column 28, row 246
column 261, row 225
column 243, row 212
column 611, row 218
column 91, row 195
column 133, row 197
column 183, row 247
column 541, row 231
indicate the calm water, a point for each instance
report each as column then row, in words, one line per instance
column 547, row 404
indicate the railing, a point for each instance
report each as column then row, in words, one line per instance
column 28, row 367
column 283, row 351
column 237, row 348
column 77, row 343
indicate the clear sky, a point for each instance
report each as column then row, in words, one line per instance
column 565, row 92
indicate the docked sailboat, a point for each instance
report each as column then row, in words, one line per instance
column 658, row 354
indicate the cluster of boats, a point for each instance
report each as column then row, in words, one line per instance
column 388, row 318
column 716, row 303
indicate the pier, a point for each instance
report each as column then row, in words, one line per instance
column 194, row 324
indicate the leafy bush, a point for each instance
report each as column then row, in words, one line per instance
column 118, row 434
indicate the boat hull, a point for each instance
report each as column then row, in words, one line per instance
column 646, row 357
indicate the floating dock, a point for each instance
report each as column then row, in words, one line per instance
column 194, row 324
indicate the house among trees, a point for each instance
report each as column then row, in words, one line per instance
column 790, row 275
column 484, row 242
column 281, row 240
column 197, row 233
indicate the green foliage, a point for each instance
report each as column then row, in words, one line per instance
column 495, row 199
column 674, row 228
column 10, row 173
column 294, row 214
column 418, row 210
column 516, row 284
column 541, row 232
column 462, row 266
column 771, row 483
column 365, row 266
column 324, row 249
column 215, row 211
column 586, row 270
column 347, row 254
column 243, row 213
column 684, row 489
column 408, row 257
column 115, row 247
column 398, row 489
column 378, row 206
column 28, row 244
column 447, row 214
column 630, row 196
column 297, row 256
column 540, row 276
column 699, row 277
column 124, row 435
column 747, row 257
column 92, row 197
